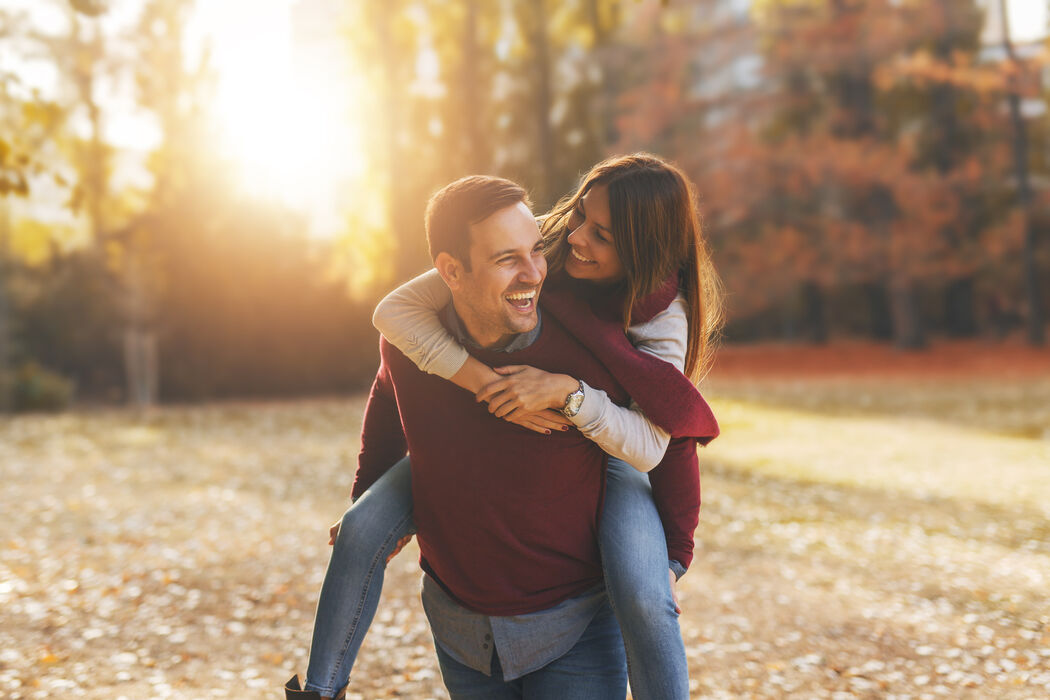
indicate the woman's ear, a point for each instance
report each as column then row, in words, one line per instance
column 450, row 269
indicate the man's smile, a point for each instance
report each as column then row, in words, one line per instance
column 522, row 301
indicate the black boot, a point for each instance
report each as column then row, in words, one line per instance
column 293, row 691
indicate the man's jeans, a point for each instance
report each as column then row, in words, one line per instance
column 592, row 670
column 634, row 557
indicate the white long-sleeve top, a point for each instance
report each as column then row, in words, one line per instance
column 407, row 317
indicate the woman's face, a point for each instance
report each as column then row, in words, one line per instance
column 593, row 256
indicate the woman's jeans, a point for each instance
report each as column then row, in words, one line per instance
column 634, row 559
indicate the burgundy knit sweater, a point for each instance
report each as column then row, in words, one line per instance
column 507, row 518
column 664, row 394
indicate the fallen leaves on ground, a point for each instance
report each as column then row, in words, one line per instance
column 178, row 554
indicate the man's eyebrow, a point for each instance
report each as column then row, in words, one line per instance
column 501, row 253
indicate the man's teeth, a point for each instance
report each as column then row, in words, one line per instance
column 519, row 296
column 579, row 257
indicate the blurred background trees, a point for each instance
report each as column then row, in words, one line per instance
column 867, row 168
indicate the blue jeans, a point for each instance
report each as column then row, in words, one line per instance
column 368, row 533
column 634, row 559
column 592, row 670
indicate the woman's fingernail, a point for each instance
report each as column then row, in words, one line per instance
column 547, row 432
column 565, row 427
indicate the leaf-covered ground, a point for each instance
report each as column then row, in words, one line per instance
column 177, row 554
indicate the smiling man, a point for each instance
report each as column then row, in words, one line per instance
column 506, row 517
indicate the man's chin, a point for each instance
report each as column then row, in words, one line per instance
column 524, row 324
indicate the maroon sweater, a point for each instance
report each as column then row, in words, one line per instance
column 666, row 396
column 507, row 518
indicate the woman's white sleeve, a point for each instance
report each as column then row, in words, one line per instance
column 626, row 432
column 408, row 318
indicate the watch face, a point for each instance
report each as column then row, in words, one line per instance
column 573, row 403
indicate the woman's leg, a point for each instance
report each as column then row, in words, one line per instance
column 634, row 559
column 369, row 532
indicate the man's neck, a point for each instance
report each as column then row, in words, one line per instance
column 476, row 332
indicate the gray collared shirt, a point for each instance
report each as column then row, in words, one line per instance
column 524, row 643
column 517, row 342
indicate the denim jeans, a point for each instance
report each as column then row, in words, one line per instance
column 634, row 559
column 592, row 670
column 368, row 533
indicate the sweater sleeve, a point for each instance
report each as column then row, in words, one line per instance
column 382, row 436
column 407, row 317
column 676, row 492
column 626, row 432
column 676, row 477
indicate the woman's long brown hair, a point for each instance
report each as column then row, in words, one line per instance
column 656, row 232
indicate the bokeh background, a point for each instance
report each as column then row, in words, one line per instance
column 201, row 202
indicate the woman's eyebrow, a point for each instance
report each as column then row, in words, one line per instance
column 583, row 208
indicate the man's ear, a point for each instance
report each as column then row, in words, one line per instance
column 450, row 269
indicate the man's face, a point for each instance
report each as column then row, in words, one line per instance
column 497, row 298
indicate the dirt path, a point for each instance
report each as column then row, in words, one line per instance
column 178, row 555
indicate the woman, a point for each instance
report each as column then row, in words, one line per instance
column 629, row 243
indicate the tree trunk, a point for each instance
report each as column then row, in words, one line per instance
column 405, row 232
column 1036, row 332
column 907, row 322
column 472, row 137
column 813, row 312
column 544, row 132
column 959, row 308
column 5, row 314
column 140, row 342
column 879, row 313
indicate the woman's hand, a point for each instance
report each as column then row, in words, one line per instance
column 525, row 389
column 544, row 422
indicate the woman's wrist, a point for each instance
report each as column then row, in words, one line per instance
column 565, row 386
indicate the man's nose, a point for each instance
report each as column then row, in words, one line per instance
column 533, row 272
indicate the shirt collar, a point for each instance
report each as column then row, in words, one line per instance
column 459, row 332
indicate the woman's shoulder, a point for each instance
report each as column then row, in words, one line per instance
column 665, row 334
column 674, row 317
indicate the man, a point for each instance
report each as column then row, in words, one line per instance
column 506, row 518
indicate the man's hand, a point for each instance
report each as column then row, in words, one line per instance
column 674, row 591
column 526, row 389
column 333, row 531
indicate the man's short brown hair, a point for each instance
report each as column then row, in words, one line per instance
column 453, row 208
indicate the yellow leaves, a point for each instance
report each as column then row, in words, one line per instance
column 91, row 8
column 33, row 242
column 922, row 69
column 273, row 659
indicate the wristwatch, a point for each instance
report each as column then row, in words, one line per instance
column 573, row 402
